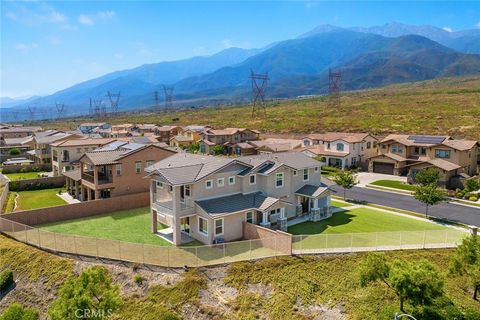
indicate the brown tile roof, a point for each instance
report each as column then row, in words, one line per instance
column 75, row 175
column 82, row 142
column 461, row 145
column 319, row 150
column 443, row 164
column 345, row 136
column 403, row 139
column 390, row 155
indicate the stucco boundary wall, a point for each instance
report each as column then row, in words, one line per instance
column 80, row 210
column 273, row 239
column 4, row 189
column 16, row 168
column 38, row 183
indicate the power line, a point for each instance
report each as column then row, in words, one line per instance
column 258, row 91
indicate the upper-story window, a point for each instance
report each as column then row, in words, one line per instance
column 279, row 181
column 420, row 150
column 160, row 184
column 439, row 153
column 118, row 169
column 305, row 174
column 374, row 144
column 252, row 179
column 328, row 145
column 340, row 146
column 187, row 190
column 138, row 167
column 306, row 142
column 220, row 182
column 231, row 180
column 209, row 184
column 369, row 145
column 150, row 163
column 396, row 148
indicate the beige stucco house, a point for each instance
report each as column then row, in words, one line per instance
column 226, row 137
column 209, row 198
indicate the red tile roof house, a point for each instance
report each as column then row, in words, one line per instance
column 226, row 137
column 209, row 198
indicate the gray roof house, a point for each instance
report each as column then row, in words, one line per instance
column 210, row 198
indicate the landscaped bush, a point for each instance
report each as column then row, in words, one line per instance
column 138, row 279
column 14, row 152
column 472, row 185
column 473, row 198
column 6, row 279
column 16, row 311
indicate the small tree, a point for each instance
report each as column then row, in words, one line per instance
column 467, row 261
column 16, row 311
column 14, row 152
column 427, row 176
column 194, row 147
column 429, row 194
column 418, row 283
column 91, row 292
column 345, row 179
column 472, row 185
column 218, row 149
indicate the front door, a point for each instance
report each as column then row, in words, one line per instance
column 185, row 224
column 305, row 204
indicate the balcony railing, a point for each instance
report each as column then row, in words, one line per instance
column 102, row 178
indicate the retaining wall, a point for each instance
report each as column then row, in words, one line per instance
column 273, row 239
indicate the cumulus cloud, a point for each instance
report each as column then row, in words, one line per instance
column 25, row 47
column 448, row 29
column 91, row 19
column 36, row 14
column 86, row 20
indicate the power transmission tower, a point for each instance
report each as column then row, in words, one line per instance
column 98, row 108
column 168, row 96
column 334, row 88
column 32, row 110
column 157, row 100
column 259, row 86
column 60, row 109
column 114, row 98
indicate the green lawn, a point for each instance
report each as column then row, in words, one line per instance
column 339, row 204
column 23, row 175
column 363, row 220
column 129, row 225
column 35, row 199
column 394, row 184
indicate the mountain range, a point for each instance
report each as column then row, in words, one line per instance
column 367, row 57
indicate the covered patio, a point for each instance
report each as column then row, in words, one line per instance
column 313, row 201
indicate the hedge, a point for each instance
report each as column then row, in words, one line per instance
column 6, row 279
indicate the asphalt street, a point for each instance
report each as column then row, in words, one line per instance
column 453, row 212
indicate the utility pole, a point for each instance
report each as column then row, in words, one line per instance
column 259, row 86
column 168, row 97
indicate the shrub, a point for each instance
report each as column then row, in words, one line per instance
column 14, row 152
column 16, row 311
column 138, row 279
column 472, row 185
column 6, row 279
column 473, row 198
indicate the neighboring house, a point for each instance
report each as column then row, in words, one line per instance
column 272, row 145
column 341, row 149
column 407, row 154
column 8, row 144
column 10, row 132
column 187, row 136
column 209, row 198
column 164, row 133
column 113, row 170
column 89, row 127
column 145, row 128
column 66, row 153
column 42, row 153
column 242, row 149
column 122, row 130
column 226, row 137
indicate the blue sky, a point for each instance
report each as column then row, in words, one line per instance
column 48, row 46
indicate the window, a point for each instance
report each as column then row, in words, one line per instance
column 294, row 173
column 220, row 182
column 374, row 144
column 249, row 217
column 253, row 179
column 218, row 227
column 209, row 184
column 279, row 180
column 328, row 145
column 439, row 153
column 340, row 146
column 306, row 142
column 149, row 163
column 187, row 190
column 369, row 145
column 305, row 174
column 118, row 169
column 138, row 167
column 397, row 148
column 203, row 226
column 160, row 184
column 231, row 180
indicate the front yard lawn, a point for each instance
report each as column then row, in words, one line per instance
column 128, row 225
column 35, row 199
column 23, row 175
column 339, row 204
column 363, row 220
column 394, row 184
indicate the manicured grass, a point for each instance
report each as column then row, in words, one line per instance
column 35, row 199
column 394, row 184
column 23, row 175
column 363, row 220
column 129, row 225
column 339, row 204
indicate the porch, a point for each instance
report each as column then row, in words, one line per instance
column 313, row 202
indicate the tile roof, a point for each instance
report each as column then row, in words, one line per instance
column 443, row 164
column 345, row 136
column 390, row 155
column 277, row 144
column 404, row 139
column 319, row 150
column 236, row 203
column 99, row 158
column 461, row 145
column 181, row 138
column 82, row 142
column 75, row 175
column 311, row 191
column 47, row 139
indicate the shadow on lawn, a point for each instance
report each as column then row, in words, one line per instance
column 309, row 227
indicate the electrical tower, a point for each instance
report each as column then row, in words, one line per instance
column 32, row 110
column 259, row 86
column 168, row 96
column 60, row 109
column 156, row 100
column 97, row 108
column 114, row 98
column 334, row 88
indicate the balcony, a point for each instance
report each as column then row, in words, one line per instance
column 102, row 178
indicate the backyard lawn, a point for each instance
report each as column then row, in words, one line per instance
column 394, row 184
column 363, row 220
column 35, row 199
column 128, row 225
column 23, row 175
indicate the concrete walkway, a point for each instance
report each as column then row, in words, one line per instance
column 365, row 178
column 167, row 235
column 68, row 198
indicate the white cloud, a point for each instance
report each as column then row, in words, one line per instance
column 54, row 41
column 118, row 56
column 227, row 43
column 477, row 25
column 56, row 17
column 448, row 29
column 36, row 14
column 91, row 19
column 144, row 52
column 310, row 4
column 25, row 47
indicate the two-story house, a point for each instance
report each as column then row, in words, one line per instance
column 11, row 132
column 341, row 149
column 228, row 138
column 66, row 153
column 187, row 136
column 42, row 151
column 113, row 170
column 407, row 154
column 209, row 198
column 165, row 133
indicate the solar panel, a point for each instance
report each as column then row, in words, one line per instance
column 427, row 139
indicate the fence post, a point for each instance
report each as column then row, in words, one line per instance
column 376, row 241
column 196, row 255
column 424, row 234
column 55, row 241
column 75, row 244
column 401, row 239
column 96, row 246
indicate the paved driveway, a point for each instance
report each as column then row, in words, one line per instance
column 449, row 211
column 365, row 178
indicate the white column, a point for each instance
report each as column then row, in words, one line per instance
column 265, row 221
column 282, row 213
